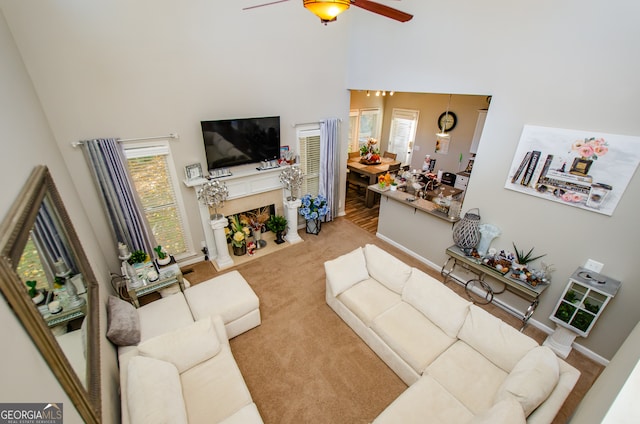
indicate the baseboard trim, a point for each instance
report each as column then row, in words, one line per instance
column 543, row 327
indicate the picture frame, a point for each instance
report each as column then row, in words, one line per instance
column 193, row 171
column 283, row 151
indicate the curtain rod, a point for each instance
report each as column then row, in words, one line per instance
column 310, row 123
column 171, row 135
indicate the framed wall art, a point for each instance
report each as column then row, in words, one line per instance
column 583, row 169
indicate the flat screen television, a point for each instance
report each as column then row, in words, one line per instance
column 232, row 142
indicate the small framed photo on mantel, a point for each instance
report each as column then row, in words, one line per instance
column 193, row 172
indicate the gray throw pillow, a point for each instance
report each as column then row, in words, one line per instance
column 123, row 325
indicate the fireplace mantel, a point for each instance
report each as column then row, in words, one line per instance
column 246, row 180
column 249, row 188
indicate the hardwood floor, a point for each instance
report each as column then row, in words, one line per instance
column 358, row 213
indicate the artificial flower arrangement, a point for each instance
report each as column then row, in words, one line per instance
column 238, row 230
column 369, row 153
column 313, row 208
column 257, row 219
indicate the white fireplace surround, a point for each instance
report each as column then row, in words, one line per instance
column 249, row 188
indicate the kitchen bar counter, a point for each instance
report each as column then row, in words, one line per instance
column 410, row 201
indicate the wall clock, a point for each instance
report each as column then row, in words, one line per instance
column 447, row 121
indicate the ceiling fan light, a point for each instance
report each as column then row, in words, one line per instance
column 327, row 10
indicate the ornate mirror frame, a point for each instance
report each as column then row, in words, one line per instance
column 14, row 233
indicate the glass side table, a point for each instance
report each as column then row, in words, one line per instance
column 167, row 276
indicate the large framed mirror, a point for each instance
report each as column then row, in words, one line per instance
column 47, row 280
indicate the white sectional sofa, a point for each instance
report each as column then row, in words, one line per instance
column 463, row 365
column 174, row 368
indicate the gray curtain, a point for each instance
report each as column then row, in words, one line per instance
column 50, row 242
column 109, row 168
column 329, row 165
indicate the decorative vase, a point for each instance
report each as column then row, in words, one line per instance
column 279, row 239
column 581, row 166
column 239, row 250
column 164, row 261
column 466, row 234
column 314, row 226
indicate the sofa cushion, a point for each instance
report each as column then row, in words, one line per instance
column 368, row 299
column 436, row 301
column 411, row 335
column 495, row 339
column 425, row 401
column 163, row 315
column 123, row 325
column 506, row 411
column 346, row 270
column 468, row 376
column 386, row 268
column 532, row 379
column 214, row 390
column 154, row 392
column 184, row 347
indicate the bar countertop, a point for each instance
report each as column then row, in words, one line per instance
column 412, row 201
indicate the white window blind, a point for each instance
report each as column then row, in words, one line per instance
column 404, row 123
column 309, row 148
column 156, row 186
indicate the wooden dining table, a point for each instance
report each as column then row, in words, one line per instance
column 370, row 174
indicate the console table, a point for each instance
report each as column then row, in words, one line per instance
column 475, row 266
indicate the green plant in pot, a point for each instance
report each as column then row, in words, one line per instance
column 524, row 258
column 138, row 257
column 277, row 224
column 36, row 295
column 163, row 256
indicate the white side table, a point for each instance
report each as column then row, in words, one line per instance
column 291, row 213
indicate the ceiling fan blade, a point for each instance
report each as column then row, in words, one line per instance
column 383, row 10
column 264, row 4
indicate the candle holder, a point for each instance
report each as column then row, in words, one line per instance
column 63, row 271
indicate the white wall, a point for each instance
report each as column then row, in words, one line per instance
column 119, row 70
column 26, row 142
column 572, row 64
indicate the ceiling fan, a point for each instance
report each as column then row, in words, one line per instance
column 328, row 10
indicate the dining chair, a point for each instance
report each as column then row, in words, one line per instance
column 389, row 155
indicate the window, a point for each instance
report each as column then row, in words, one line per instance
column 30, row 266
column 402, row 135
column 150, row 167
column 364, row 124
column 309, row 148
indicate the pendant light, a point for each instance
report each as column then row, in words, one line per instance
column 443, row 133
column 327, row 10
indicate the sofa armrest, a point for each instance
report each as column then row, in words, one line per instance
column 546, row 412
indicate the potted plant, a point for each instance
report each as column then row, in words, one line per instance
column 522, row 259
column 237, row 234
column 163, row 257
column 277, row 224
column 36, row 295
column 313, row 211
column 138, row 257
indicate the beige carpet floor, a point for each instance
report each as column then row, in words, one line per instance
column 303, row 364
